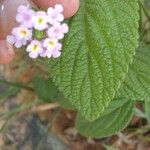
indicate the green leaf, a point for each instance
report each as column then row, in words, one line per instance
column 48, row 92
column 45, row 89
column 96, row 53
column 64, row 103
column 114, row 119
column 137, row 83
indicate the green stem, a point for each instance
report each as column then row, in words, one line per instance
column 19, row 85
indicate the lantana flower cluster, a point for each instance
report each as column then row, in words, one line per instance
column 39, row 31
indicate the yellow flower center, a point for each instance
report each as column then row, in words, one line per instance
column 51, row 43
column 23, row 32
column 35, row 48
column 40, row 20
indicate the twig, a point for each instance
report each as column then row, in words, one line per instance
column 139, row 131
column 19, row 85
column 40, row 108
column 45, row 107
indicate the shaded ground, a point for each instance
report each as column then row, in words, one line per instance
column 46, row 129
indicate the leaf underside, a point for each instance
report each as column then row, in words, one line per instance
column 137, row 83
column 114, row 119
column 136, row 86
column 96, row 54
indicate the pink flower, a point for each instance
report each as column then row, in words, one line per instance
column 55, row 15
column 40, row 20
column 45, row 26
column 57, row 31
column 43, row 54
column 35, row 49
column 24, row 16
column 55, row 52
column 13, row 41
column 22, row 33
column 20, row 36
column 49, row 45
column 10, row 39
